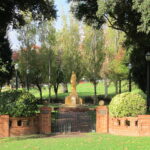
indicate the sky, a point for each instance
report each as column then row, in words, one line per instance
column 61, row 6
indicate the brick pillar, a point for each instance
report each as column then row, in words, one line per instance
column 4, row 125
column 45, row 120
column 102, row 119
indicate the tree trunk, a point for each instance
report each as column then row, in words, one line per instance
column 64, row 87
column 106, row 87
column 1, row 88
column 56, row 90
column 116, row 86
column 119, row 86
column 40, row 91
column 95, row 93
column 49, row 91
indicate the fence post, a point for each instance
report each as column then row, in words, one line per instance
column 45, row 120
column 102, row 119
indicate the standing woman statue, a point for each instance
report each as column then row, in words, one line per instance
column 73, row 82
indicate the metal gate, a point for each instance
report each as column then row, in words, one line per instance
column 73, row 121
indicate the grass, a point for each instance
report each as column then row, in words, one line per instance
column 90, row 141
column 83, row 89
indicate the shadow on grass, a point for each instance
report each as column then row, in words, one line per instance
column 38, row 136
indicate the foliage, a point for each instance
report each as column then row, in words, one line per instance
column 34, row 58
column 6, row 67
column 11, row 17
column 140, row 92
column 93, row 54
column 127, row 104
column 68, row 41
column 131, row 17
column 118, row 69
column 18, row 103
column 143, row 8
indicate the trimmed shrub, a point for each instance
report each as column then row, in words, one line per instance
column 127, row 104
column 18, row 103
column 138, row 91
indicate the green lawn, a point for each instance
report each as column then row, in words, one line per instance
column 90, row 141
column 83, row 89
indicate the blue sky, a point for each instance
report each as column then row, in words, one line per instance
column 62, row 7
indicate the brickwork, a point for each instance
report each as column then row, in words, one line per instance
column 41, row 123
column 102, row 119
column 24, row 126
column 4, row 126
column 17, row 126
column 129, row 126
column 124, row 126
column 45, row 120
column 144, row 125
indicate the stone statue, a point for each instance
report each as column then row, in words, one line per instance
column 73, row 99
column 73, row 82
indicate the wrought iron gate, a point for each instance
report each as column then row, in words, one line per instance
column 73, row 121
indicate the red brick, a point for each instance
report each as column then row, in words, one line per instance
column 102, row 119
column 45, row 120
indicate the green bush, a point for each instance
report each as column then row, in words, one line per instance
column 17, row 103
column 127, row 104
column 138, row 91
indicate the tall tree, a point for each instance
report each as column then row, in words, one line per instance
column 93, row 55
column 131, row 17
column 115, row 64
column 69, row 45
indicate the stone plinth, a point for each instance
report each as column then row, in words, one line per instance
column 73, row 99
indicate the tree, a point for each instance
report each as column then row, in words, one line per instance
column 131, row 17
column 49, row 44
column 3, row 71
column 115, row 65
column 68, row 39
column 36, row 59
column 93, row 55
column 118, row 69
column 10, row 15
column 5, row 60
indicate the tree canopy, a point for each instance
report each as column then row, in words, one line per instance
column 130, row 16
column 11, row 16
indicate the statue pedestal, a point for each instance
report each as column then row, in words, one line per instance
column 73, row 100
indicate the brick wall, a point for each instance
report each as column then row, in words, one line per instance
column 17, row 126
column 144, row 125
column 23, row 126
column 129, row 126
column 124, row 126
